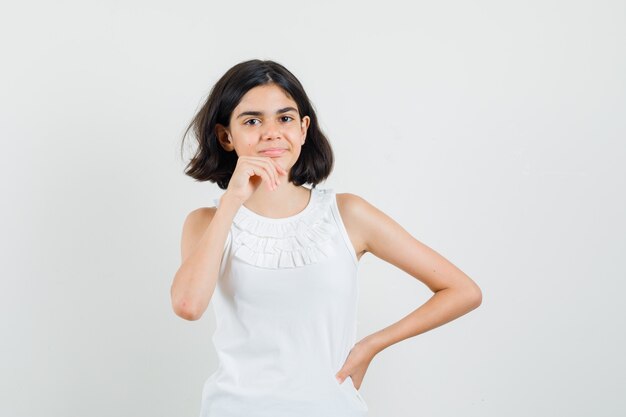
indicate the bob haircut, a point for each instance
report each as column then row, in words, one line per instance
column 211, row 162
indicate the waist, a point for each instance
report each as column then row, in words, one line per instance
column 309, row 392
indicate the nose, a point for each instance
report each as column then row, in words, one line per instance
column 272, row 130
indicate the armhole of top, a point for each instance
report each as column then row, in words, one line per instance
column 224, row 255
column 216, row 201
column 343, row 230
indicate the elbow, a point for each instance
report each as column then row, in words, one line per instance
column 472, row 293
column 186, row 310
column 475, row 296
column 184, row 307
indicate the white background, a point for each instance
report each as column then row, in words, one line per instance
column 494, row 132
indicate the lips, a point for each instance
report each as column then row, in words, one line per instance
column 273, row 151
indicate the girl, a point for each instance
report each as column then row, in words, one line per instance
column 279, row 260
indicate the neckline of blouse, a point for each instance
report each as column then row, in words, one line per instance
column 308, row 208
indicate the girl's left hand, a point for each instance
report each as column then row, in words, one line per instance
column 357, row 363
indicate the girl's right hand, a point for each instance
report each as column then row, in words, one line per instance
column 250, row 172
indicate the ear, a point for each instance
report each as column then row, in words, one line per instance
column 305, row 126
column 223, row 137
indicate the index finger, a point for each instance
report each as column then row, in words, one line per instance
column 279, row 166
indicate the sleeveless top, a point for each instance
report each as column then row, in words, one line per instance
column 285, row 305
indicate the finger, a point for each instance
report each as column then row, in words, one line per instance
column 262, row 172
column 280, row 168
column 265, row 164
column 274, row 168
column 271, row 168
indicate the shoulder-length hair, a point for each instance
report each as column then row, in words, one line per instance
column 211, row 162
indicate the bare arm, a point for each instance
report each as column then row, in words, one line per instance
column 455, row 293
column 202, row 245
column 205, row 232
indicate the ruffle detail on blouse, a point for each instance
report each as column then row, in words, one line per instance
column 306, row 239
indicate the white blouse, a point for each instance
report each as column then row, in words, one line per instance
column 286, row 307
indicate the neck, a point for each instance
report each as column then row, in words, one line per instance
column 285, row 201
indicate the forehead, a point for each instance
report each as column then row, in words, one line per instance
column 265, row 96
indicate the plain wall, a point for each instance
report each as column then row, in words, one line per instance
column 494, row 132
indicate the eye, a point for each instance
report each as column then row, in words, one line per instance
column 254, row 124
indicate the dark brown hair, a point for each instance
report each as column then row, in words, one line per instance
column 213, row 163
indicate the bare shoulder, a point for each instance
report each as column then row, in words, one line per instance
column 194, row 226
column 365, row 223
column 201, row 214
column 199, row 218
column 355, row 211
column 371, row 229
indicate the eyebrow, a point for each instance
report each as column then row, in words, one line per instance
column 260, row 113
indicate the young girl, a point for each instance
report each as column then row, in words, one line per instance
column 279, row 260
